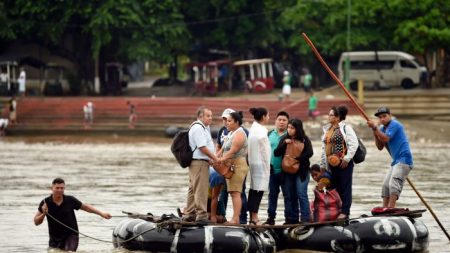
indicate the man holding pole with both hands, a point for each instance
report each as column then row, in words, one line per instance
column 392, row 135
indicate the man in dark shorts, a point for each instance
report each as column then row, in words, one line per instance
column 60, row 207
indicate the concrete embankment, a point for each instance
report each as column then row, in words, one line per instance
column 426, row 113
column 64, row 115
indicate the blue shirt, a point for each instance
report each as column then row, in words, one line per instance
column 275, row 161
column 398, row 145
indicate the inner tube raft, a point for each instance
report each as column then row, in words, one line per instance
column 137, row 234
column 371, row 234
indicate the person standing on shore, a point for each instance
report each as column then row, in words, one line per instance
column 88, row 110
column 132, row 117
column 312, row 106
column 12, row 111
column 307, row 80
column 59, row 207
column 286, row 90
column 391, row 134
column 22, row 82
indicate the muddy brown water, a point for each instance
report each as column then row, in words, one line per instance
column 140, row 175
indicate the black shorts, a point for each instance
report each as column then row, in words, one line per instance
column 70, row 243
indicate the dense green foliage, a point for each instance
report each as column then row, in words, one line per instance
column 129, row 30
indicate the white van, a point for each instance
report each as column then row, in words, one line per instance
column 392, row 69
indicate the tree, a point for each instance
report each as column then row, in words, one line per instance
column 239, row 26
column 80, row 31
column 424, row 28
column 415, row 27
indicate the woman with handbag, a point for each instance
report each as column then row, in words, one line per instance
column 296, row 150
column 259, row 153
column 339, row 144
column 235, row 153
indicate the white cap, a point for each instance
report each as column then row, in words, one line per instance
column 227, row 112
column 286, row 72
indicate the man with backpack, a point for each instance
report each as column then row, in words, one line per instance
column 201, row 143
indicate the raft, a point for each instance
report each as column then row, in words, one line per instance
column 366, row 234
column 211, row 238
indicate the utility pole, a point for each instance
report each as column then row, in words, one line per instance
column 347, row 59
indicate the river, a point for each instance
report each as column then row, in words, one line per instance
column 140, row 175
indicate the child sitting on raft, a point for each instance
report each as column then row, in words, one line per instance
column 327, row 203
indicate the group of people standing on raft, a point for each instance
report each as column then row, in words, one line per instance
column 261, row 152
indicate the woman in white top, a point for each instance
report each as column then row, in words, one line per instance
column 259, row 153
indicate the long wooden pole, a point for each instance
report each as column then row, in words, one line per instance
column 428, row 207
column 363, row 113
column 324, row 64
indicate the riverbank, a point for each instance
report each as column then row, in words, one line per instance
column 63, row 116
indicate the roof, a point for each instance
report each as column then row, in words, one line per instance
column 253, row 61
column 380, row 53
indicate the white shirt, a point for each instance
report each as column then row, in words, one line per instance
column 200, row 136
column 22, row 76
column 4, row 77
column 259, row 152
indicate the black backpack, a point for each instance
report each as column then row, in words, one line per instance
column 360, row 154
column 181, row 149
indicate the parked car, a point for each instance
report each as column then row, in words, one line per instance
column 382, row 69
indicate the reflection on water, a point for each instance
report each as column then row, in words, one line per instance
column 143, row 177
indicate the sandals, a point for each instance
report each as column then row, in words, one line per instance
column 342, row 216
column 255, row 223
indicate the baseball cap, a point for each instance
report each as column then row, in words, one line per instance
column 381, row 110
column 227, row 112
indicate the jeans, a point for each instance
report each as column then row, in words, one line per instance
column 289, row 186
column 223, row 201
column 342, row 180
column 302, row 193
column 274, row 191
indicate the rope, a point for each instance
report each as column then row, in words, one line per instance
column 93, row 238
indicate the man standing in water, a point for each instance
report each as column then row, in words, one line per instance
column 59, row 207
column 392, row 135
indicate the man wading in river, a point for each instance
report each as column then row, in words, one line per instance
column 60, row 207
